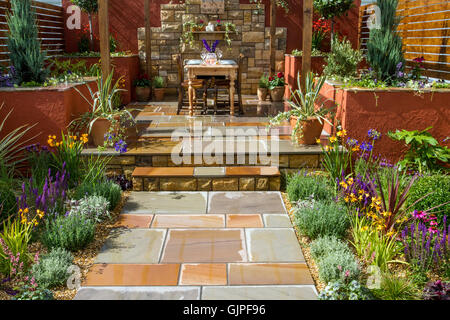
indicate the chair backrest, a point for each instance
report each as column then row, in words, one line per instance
column 180, row 68
column 240, row 63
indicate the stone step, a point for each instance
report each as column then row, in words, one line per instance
column 256, row 178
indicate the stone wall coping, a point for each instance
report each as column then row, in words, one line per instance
column 62, row 87
column 342, row 86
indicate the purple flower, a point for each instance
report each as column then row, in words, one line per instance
column 374, row 134
column 366, row 147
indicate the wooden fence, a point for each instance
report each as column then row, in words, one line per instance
column 425, row 31
column 50, row 21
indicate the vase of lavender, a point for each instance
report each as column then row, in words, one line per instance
column 210, row 57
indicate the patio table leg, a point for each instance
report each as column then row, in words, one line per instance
column 232, row 78
column 191, row 104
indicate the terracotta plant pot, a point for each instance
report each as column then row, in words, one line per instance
column 277, row 94
column 142, row 94
column 262, row 94
column 98, row 131
column 159, row 93
column 312, row 129
column 218, row 28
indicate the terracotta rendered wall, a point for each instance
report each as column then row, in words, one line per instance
column 126, row 67
column 388, row 110
column 126, row 16
column 50, row 109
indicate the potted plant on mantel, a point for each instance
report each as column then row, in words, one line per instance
column 142, row 88
column 159, row 88
column 276, row 87
column 307, row 114
column 263, row 88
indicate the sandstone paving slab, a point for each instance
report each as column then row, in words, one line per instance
column 273, row 245
column 189, row 221
column 259, row 293
column 133, row 221
column 269, row 273
column 277, row 221
column 132, row 246
column 204, row 274
column 166, row 203
column 138, row 293
column 245, row 202
column 208, row 245
column 132, row 275
column 244, row 221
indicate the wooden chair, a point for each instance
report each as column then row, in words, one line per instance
column 224, row 84
column 183, row 88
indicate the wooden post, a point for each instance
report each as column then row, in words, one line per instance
column 148, row 41
column 103, row 22
column 307, row 39
column 273, row 26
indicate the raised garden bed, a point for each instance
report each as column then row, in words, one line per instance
column 50, row 108
column 124, row 66
column 361, row 109
column 293, row 66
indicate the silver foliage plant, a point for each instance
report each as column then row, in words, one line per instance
column 93, row 207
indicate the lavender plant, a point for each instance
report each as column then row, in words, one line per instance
column 427, row 248
column 51, row 199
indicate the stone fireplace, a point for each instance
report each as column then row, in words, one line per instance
column 252, row 39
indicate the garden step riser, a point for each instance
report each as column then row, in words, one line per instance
column 247, row 183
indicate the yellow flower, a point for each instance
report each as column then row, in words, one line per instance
column 355, row 148
column 346, row 199
column 333, row 139
column 365, row 228
column 318, row 141
column 40, row 213
column 350, row 181
column 341, row 133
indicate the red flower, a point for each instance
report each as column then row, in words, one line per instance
column 270, row 78
column 280, row 75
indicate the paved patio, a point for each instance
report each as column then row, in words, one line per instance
column 201, row 245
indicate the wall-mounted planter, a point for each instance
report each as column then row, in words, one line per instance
column 360, row 109
column 126, row 67
column 50, row 108
column 293, row 66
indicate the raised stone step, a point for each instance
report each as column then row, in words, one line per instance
column 206, row 179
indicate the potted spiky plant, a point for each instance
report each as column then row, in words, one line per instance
column 159, row 88
column 263, row 88
column 307, row 114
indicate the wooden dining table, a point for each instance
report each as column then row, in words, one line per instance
column 227, row 68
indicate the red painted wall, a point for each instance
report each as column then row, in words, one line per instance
column 50, row 109
column 126, row 67
column 126, row 16
column 388, row 110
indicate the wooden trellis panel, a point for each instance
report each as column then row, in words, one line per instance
column 50, row 21
column 425, row 31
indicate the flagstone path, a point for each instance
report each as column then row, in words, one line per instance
column 201, row 245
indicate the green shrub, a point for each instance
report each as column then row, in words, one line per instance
column 8, row 203
column 439, row 185
column 23, row 43
column 107, row 189
column 51, row 271
column 342, row 62
column 393, row 287
column 384, row 47
column 302, row 187
column 327, row 245
column 72, row 232
column 322, row 219
column 92, row 207
column 338, row 265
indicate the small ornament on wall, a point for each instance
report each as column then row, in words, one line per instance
column 213, row 6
